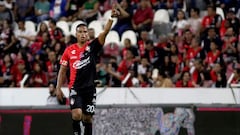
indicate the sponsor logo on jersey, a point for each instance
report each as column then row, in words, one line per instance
column 81, row 63
column 73, row 52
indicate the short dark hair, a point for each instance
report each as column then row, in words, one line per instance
column 150, row 42
column 53, row 83
column 195, row 9
column 81, row 24
column 51, row 20
column 213, row 7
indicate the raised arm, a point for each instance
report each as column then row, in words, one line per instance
column 108, row 26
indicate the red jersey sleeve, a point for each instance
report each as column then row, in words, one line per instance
column 65, row 58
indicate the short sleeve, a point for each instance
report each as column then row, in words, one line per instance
column 65, row 58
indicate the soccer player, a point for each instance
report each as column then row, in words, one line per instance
column 80, row 58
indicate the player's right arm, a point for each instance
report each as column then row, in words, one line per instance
column 60, row 80
column 107, row 28
column 62, row 74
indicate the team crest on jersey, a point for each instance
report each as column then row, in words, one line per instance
column 73, row 52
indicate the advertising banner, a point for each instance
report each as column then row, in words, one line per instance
column 125, row 120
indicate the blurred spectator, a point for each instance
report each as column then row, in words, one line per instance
column 56, row 33
column 19, row 74
column 101, row 75
column 187, row 39
column 236, row 78
column 213, row 56
column 124, row 21
column 5, row 13
column 89, row 11
column 226, row 4
column 42, row 40
column 211, row 19
column 211, row 36
column 218, row 76
column 224, row 26
column 52, row 66
column 111, row 49
column 168, row 67
column 128, row 46
column 142, row 18
column 195, row 51
column 24, row 36
column 143, row 37
column 25, row 56
column 177, row 5
column 162, row 43
column 40, row 58
column 112, row 81
column 144, row 73
column 6, row 72
column 52, row 98
column 43, row 27
column 177, row 64
column 72, row 10
column 154, row 55
column 11, row 4
column 42, row 46
column 185, row 80
column 173, row 50
column 234, row 21
column 59, row 49
column 198, row 73
column 58, row 9
column 8, row 42
column 163, row 80
column 105, row 5
column 24, row 9
column 38, row 77
column 180, row 23
column 126, row 66
column 229, row 48
column 194, row 21
column 41, row 10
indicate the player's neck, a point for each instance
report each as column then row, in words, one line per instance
column 81, row 44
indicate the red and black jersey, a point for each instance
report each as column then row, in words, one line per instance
column 82, row 63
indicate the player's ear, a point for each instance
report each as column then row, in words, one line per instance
column 76, row 33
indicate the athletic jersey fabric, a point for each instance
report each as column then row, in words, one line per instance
column 82, row 63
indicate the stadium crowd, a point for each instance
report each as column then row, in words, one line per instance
column 198, row 47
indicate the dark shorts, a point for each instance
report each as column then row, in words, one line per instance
column 84, row 100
